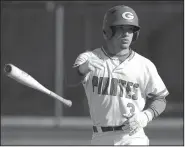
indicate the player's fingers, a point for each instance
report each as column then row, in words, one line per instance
column 126, row 129
column 92, row 68
column 96, row 60
column 134, row 131
column 130, row 123
column 129, row 129
column 97, row 64
column 126, row 123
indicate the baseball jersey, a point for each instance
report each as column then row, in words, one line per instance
column 120, row 88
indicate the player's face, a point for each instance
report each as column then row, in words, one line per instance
column 123, row 36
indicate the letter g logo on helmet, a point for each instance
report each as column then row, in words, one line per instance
column 128, row 15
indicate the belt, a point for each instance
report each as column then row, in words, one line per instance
column 110, row 128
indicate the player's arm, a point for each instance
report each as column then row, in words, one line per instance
column 83, row 69
column 156, row 93
column 154, row 107
column 87, row 62
column 141, row 119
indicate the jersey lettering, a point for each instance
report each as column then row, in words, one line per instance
column 94, row 82
column 107, row 86
column 113, row 87
column 100, row 83
column 121, row 85
column 135, row 88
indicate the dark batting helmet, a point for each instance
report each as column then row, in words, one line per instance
column 120, row 15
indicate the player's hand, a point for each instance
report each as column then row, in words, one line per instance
column 90, row 65
column 135, row 122
column 95, row 63
column 88, row 62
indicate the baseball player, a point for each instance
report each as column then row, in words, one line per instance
column 119, row 83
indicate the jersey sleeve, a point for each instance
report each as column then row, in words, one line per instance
column 155, row 87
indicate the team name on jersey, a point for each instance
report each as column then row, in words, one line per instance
column 127, row 89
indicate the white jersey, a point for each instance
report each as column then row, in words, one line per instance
column 120, row 88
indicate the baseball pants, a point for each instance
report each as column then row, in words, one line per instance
column 119, row 138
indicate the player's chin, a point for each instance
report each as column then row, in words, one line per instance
column 125, row 45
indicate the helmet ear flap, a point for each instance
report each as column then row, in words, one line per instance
column 107, row 33
column 135, row 36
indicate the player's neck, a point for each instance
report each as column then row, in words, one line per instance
column 123, row 52
column 116, row 52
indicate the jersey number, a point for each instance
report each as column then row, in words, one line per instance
column 132, row 108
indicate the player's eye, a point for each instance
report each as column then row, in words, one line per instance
column 129, row 29
column 124, row 28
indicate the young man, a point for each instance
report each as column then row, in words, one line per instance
column 119, row 82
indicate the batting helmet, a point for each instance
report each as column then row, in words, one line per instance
column 120, row 15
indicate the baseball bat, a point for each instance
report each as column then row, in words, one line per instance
column 27, row 80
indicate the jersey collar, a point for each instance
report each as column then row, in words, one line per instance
column 130, row 56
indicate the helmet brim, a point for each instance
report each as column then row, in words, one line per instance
column 136, row 28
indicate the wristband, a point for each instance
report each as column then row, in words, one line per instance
column 148, row 114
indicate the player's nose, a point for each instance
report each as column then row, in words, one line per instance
column 126, row 33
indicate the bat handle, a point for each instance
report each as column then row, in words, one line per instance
column 67, row 102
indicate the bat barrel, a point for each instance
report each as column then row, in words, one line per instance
column 26, row 79
column 7, row 68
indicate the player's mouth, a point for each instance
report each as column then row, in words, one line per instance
column 124, row 40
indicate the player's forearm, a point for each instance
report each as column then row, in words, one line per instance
column 156, row 107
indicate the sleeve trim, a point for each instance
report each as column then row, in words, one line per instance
column 163, row 93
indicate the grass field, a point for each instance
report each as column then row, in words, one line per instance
column 160, row 132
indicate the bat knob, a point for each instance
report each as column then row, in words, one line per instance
column 8, row 68
column 69, row 103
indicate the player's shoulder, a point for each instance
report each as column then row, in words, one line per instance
column 144, row 60
column 96, row 52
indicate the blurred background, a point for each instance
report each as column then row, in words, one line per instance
column 44, row 38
